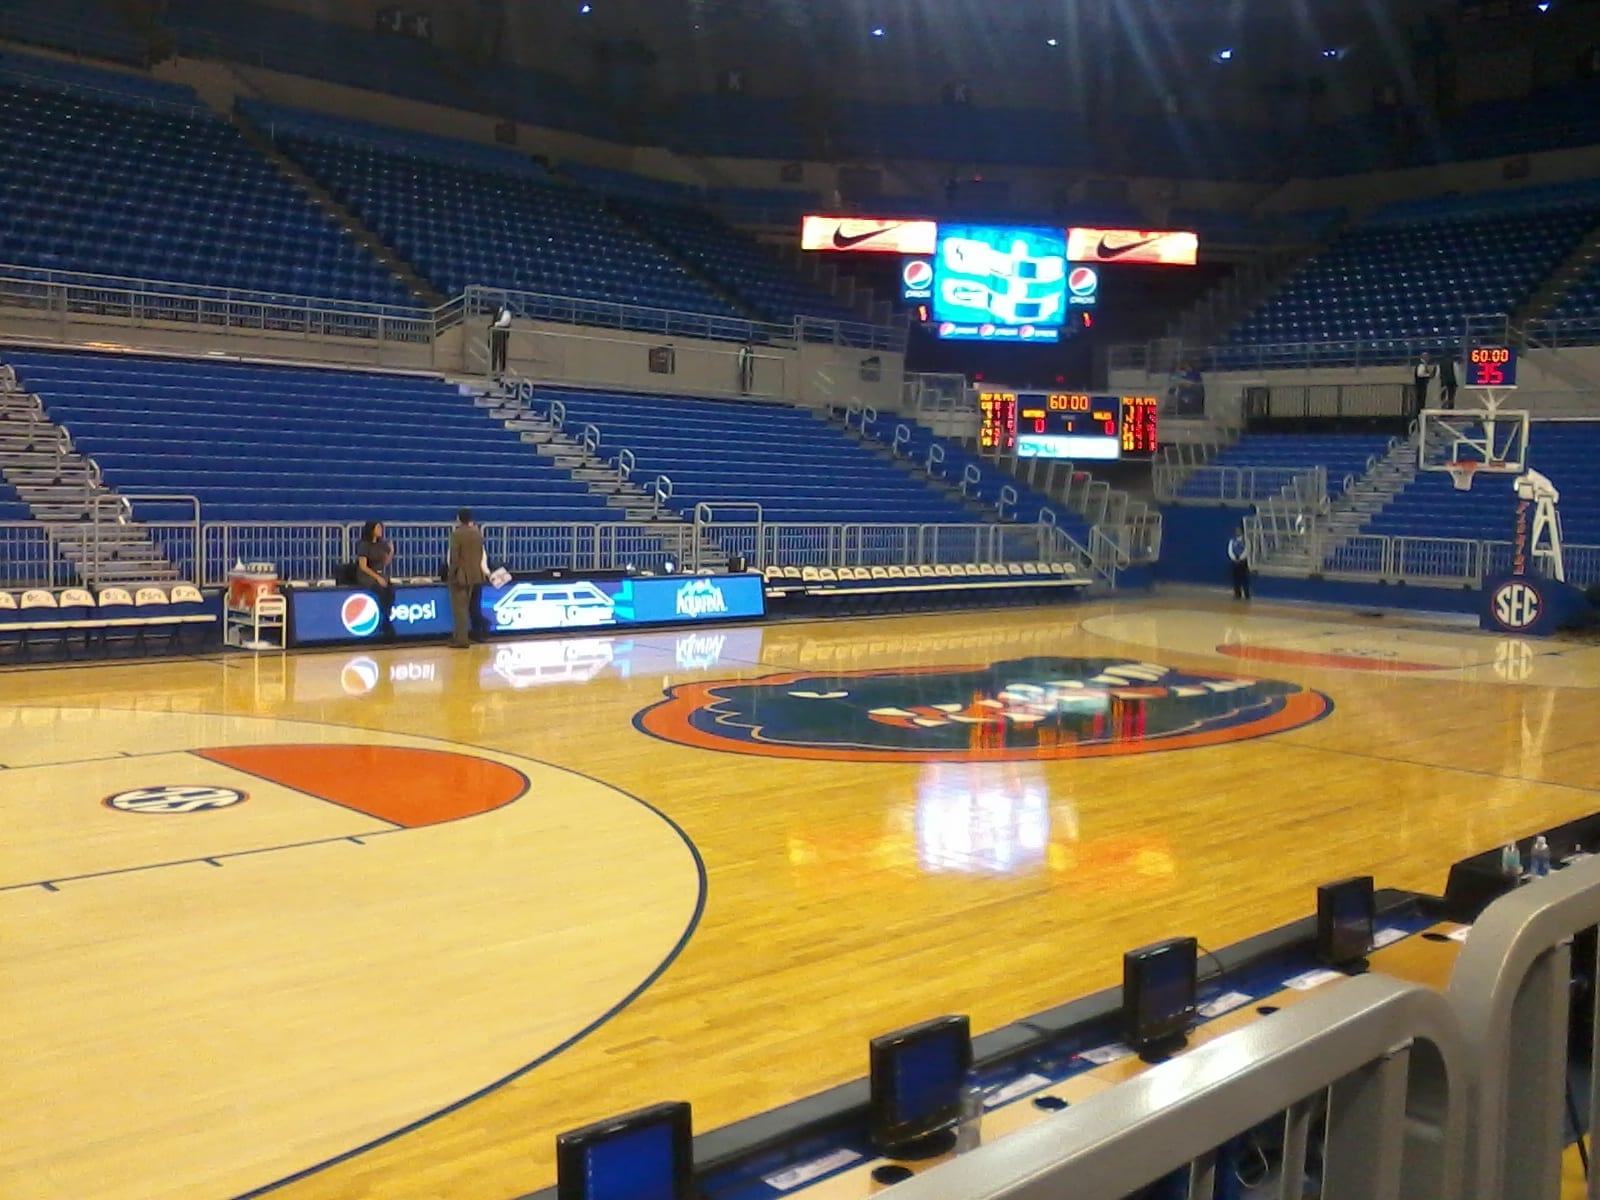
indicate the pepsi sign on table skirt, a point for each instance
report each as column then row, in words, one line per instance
column 334, row 615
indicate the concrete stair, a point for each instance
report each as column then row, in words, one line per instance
column 632, row 502
column 89, row 523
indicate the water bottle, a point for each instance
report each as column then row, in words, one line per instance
column 1539, row 857
column 1511, row 861
column 969, row 1134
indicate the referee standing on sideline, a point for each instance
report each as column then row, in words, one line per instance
column 1239, row 558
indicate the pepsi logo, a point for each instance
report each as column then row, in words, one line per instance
column 986, row 331
column 1084, row 281
column 360, row 615
column 947, row 328
column 359, row 676
column 918, row 275
column 1028, row 331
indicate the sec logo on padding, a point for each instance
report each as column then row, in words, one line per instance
column 174, row 798
column 1517, row 605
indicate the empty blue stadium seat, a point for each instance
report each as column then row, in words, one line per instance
column 1415, row 271
column 117, row 186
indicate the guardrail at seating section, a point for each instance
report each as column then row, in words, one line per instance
column 30, row 557
column 1385, row 558
column 141, row 301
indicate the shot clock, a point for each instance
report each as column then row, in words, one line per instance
column 1491, row 367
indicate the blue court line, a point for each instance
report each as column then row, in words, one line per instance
column 600, row 1021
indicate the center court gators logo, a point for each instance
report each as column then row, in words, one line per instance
column 360, row 614
column 1034, row 708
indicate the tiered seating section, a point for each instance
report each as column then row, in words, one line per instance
column 1430, row 507
column 787, row 460
column 138, row 180
column 986, row 491
column 460, row 225
column 295, row 445
column 1417, row 270
column 1277, row 457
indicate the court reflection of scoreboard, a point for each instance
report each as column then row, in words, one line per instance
column 1071, row 425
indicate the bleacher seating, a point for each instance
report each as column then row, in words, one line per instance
column 1582, row 304
column 115, row 187
column 75, row 616
column 289, row 444
column 986, row 491
column 1279, row 456
column 460, row 225
column 1416, row 270
column 1431, row 507
column 280, row 120
column 734, row 261
column 785, row 459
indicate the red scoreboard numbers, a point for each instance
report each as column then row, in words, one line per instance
column 1491, row 367
column 1139, row 425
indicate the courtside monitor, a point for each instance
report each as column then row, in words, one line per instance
column 642, row 1155
column 1346, row 912
column 917, row 1075
column 1159, row 982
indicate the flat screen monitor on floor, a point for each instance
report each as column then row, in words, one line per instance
column 1345, row 915
column 642, row 1155
column 917, row 1075
column 1158, row 995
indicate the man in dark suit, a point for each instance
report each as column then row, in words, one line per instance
column 464, row 571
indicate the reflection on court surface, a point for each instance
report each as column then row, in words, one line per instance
column 307, row 919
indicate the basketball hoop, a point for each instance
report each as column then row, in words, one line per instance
column 1461, row 473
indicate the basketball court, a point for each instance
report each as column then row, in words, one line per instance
column 382, row 922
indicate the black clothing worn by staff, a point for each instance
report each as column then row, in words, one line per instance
column 1421, row 377
column 373, row 555
column 499, row 340
column 1239, row 559
column 1447, row 382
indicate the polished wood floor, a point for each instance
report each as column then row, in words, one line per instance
column 203, row 1003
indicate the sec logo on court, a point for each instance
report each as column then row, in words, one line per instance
column 1517, row 605
column 1035, row 708
column 174, row 798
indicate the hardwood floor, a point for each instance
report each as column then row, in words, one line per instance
column 445, row 867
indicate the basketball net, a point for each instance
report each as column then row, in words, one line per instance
column 1461, row 473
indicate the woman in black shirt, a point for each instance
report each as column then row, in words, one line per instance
column 373, row 555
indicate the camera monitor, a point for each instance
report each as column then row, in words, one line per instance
column 642, row 1155
column 1158, row 996
column 1345, row 916
column 917, row 1076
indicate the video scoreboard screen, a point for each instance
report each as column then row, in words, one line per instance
column 1070, row 425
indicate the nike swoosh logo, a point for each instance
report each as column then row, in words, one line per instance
column 844, row 241
column 1105, row 251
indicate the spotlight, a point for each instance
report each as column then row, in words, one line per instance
column 1051, row 42
column 1223, row 55
column 585, row 9
column 1543, row 6
column 877, row 31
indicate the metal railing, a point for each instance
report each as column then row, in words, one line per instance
column 1326, row 401
column 1512, row 989
column 1233, row 485
column 1366, row 1079
column 1385, row 558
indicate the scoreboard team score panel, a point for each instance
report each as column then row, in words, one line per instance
column 1070, row 425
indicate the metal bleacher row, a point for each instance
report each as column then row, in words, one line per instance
column 1279, row 456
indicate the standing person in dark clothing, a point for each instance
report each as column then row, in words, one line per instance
column 1239, row 558
column 466, row 576
column 1447, row 381
column 747, row 369
column 373, row 556
column 499, row 340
